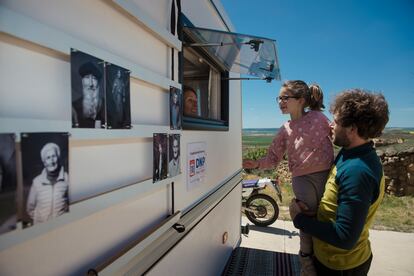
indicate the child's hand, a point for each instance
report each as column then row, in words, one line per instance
column 250, row 164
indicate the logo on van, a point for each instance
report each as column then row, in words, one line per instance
column 192, row 167
column 200, row 162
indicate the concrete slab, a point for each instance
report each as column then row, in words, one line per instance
column 281, row 236
column 393, row 251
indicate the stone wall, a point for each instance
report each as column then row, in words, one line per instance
column 399, row 171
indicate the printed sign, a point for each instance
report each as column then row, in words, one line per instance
column 196, row 164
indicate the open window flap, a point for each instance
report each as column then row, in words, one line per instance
column 244, row 54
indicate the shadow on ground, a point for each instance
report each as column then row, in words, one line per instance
column 274, row 230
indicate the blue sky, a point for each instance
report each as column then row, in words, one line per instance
column 338, row 44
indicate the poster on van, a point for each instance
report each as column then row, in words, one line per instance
column 88, row 99
column 176, row 104
column 160, row 157
column 8, row 183
column 174, row 164
column 196, row 164
column 118, row 108
column 45, row 176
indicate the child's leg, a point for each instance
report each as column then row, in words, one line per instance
column 309, row 189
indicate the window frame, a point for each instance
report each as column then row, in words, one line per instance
column 195, row 123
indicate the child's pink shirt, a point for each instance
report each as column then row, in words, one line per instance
column 307, row 143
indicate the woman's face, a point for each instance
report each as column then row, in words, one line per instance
column 50, row 160
column 190, row 103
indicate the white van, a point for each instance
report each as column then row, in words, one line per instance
column 120, row 221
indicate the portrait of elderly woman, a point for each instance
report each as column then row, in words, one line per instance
column 174, row 155
column 88, row 101
column 44, row 157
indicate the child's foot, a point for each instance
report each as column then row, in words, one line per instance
column 306, row 263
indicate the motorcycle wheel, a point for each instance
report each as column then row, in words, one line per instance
column 266, row 210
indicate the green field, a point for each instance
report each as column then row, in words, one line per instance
column 256, row 140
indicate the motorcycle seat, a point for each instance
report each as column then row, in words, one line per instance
column 251, row 183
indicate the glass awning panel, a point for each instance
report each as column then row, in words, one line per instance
column 244, row 54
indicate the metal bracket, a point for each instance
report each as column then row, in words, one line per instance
column 267, row 79
column 179, row 227
column 254, row 44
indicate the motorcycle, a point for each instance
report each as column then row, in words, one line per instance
column 261, row 209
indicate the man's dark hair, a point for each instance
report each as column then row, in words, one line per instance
column 361, row 108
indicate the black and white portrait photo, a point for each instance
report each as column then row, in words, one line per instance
column 118, row 108
column 160, row 156
column 45, row 176
column 88, row 99
column 176, row 103
column 8, row 183
column 174, row 155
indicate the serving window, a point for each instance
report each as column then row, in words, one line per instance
column 205, row 62
column 204, row 79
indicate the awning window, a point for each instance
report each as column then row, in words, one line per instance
column 244, row 54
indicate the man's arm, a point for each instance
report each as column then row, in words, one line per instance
column 354, row 199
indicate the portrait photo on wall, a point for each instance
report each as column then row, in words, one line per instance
column 174, row 155
column 160, row 156
column 88, row 98
column 176, row 107
column 118, row 108
column 8, row 183
column 45, row 176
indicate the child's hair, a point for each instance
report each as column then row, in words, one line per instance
column 312, row 94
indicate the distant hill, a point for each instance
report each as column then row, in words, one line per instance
column 398, row 129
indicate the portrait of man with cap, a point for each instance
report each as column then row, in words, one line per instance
column 88, row 107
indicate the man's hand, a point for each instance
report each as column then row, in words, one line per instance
column 296, row 206
column 294, row 209
column 250, row 164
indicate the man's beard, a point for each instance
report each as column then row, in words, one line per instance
column 175, row 156
column 90, row 103
column 341, row 140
